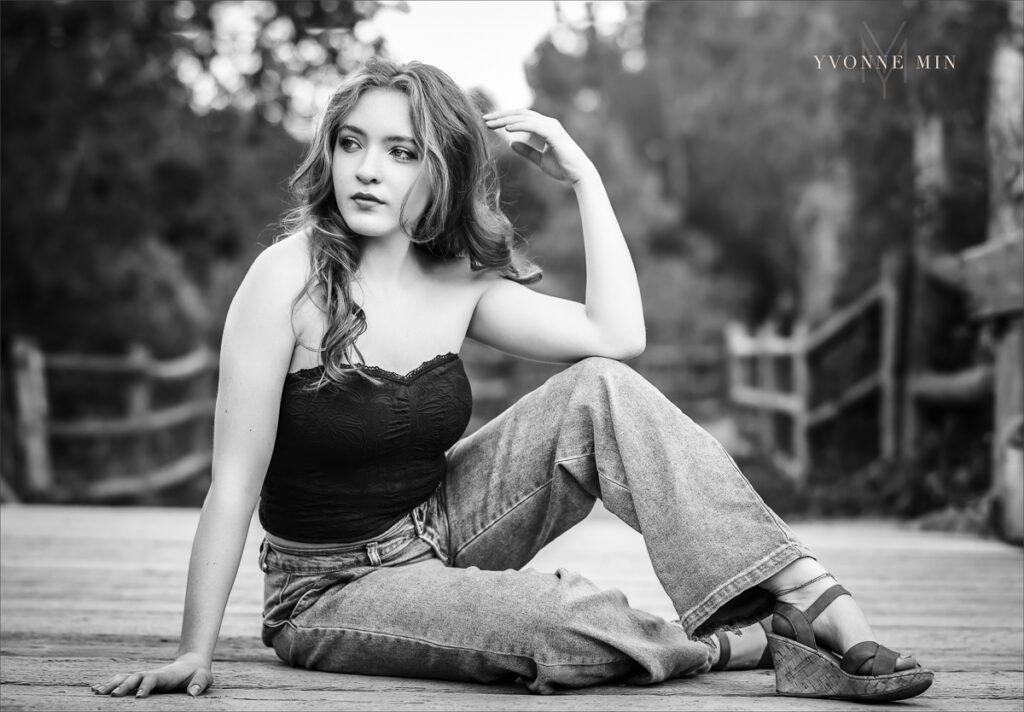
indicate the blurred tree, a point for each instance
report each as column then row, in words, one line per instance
column 588, row 76
column 745, row 131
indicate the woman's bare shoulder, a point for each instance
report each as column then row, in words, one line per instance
column 284, row 263
column 275, row 278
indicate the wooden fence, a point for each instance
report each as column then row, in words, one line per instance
column 137, row 375
column 691, row 375
column 786, row 391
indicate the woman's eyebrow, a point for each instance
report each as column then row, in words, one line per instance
column 387, row 139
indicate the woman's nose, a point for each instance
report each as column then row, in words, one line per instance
column 368, row 170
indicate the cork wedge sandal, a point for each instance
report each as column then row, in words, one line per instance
column 867, row 672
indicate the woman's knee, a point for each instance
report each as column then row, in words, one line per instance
column 609, row 375
column 572, row 602
column 605, row 370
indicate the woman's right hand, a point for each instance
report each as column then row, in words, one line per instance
column 189, row 672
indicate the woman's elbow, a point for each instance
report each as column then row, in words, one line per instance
column 628, row 346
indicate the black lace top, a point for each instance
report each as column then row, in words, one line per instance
column 349, row 463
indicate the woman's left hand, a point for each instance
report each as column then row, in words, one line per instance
column 546, row 143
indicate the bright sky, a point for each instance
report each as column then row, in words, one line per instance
column 479, row 44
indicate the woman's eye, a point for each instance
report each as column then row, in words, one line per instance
column 348, row 144
column 403, row 154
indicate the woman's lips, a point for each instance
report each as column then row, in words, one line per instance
column 366, row 200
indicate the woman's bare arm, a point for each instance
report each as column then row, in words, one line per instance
column 255, row 355
column 610, row 323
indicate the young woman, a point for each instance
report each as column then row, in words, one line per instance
column 392, row 546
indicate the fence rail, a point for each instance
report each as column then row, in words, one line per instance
column 37, row 429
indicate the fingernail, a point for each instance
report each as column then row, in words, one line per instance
column 194, row 690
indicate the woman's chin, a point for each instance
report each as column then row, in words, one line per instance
column 368, row 228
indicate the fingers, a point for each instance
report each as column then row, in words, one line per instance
column 202, row 679
column 147, row 684
column 126, row 685
column 506, row 113
column 105, row 688
column 522, row 120
column 527, row 151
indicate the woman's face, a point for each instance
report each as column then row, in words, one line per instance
column 376, row 166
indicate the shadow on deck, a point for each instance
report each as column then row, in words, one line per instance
column 87, row 591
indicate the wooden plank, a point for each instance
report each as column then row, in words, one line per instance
column 1007, row 458
column 33, row 415
column 860, row 389
column 267, row 686
column 140, row 403
column 842, row 318
column 741, row 343
column 187, row 366
column 888, row 422
column 969, row 385
column 765, row 400
column 802, row 390
column 86, row 590
column 132, row 425
column 181, row 470
column 994, row 277
column 7, row 492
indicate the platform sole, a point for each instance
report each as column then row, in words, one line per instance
column 801, row 671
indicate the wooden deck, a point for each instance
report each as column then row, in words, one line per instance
column 85, row 592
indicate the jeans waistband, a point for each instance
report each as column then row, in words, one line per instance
column 299, row 547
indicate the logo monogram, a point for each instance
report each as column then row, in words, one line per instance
column 885, row 69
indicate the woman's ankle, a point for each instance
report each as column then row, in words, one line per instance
column 798, row 579
column 841, row 624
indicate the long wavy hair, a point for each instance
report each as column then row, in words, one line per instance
column 462, row 218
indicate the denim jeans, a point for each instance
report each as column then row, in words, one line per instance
column 441, row 594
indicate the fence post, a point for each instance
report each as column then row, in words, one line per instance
column 889, row 305
column 140, row 403
column 201, row 386
column 733, row 367
column 33, row 415
column 802, row 390
column 766, row 336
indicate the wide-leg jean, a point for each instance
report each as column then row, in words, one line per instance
column 441, row 594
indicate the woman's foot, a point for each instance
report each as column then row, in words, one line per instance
column 822, row 645
column 841, row 624
column 743, row 649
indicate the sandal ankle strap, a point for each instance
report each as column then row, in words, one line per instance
column 791, row 622
column 823, row 601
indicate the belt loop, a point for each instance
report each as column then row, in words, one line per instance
column 262, row 558
column 371, row 551
column 418, row 518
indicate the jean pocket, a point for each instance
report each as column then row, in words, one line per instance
column 287, row 595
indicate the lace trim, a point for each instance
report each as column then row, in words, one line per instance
column 384, row 373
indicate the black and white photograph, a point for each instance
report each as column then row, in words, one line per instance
column 511, row 355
